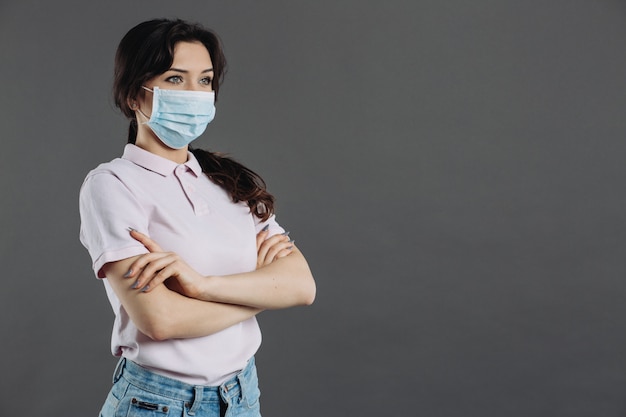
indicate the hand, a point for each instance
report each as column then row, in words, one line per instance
column 270, row 249
column 157, row 267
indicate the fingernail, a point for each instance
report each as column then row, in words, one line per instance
column 265, row 229
column 291, row 240
column 289, row 247
column 126, row 275
column 285, row 234
column 144, row 289
column 130, row 229
column 135, row 285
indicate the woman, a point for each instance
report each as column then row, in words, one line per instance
column 185, row 240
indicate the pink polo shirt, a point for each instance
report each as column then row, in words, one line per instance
column 184, row 212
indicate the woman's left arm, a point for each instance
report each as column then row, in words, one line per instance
column 280, row 281
column 286, row 282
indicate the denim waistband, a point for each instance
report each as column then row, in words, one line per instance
column 193, row 395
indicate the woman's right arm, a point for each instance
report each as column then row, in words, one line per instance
column 107, row 209
column 165, row 314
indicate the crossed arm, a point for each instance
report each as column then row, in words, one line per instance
column 166, row 298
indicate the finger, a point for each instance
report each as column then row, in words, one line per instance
column 267, row 245
column 149, row 273
column 149, row 276
column 285, row 252
column 159, row 278
column 150, row 244
column 277, row 248
column 272, row 254
column 142, row 261
column 261, row 236
column 176, row 276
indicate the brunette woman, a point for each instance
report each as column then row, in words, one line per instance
column 184, row 240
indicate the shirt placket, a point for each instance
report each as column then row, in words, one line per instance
column 186, row 178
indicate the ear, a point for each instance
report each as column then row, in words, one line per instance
column 132, row 103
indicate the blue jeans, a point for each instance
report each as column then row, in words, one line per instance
column 137, row 392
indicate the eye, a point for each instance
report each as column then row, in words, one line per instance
column 206, row 81
column 175, row 79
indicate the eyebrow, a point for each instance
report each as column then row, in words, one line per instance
column 186, row 72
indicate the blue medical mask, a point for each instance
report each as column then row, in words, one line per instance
column 180, row 116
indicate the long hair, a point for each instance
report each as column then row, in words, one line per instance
column 147, row 50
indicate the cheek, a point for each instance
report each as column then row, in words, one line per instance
column 145, row 104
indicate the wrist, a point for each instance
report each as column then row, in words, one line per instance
column 206, row 292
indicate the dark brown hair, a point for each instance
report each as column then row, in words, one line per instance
column 147, row 50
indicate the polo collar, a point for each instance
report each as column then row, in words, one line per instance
column 156, row 163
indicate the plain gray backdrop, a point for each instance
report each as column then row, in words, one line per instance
column 453, row 171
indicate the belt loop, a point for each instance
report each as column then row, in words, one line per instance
column 243, row 386
column 197, row 398
column 119, row 369
column 243, row 378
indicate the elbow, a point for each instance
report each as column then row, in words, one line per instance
column 308, row 289
column 301, row 295
column 156, row 330
column 158, row 335
column 308, row 295
column 153, row 333
column 309, row 300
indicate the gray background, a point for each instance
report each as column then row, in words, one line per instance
column 453, row 171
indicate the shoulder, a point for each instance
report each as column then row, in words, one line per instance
column 108, row 176
column 117, row 167
column 110, row 189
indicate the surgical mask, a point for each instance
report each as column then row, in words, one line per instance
column 180, row 116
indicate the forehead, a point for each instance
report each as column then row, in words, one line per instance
column 191, row 54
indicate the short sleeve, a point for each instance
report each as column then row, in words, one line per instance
column 107, row 209
column 274, row 227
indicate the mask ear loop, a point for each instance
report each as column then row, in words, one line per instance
column 137, row 108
